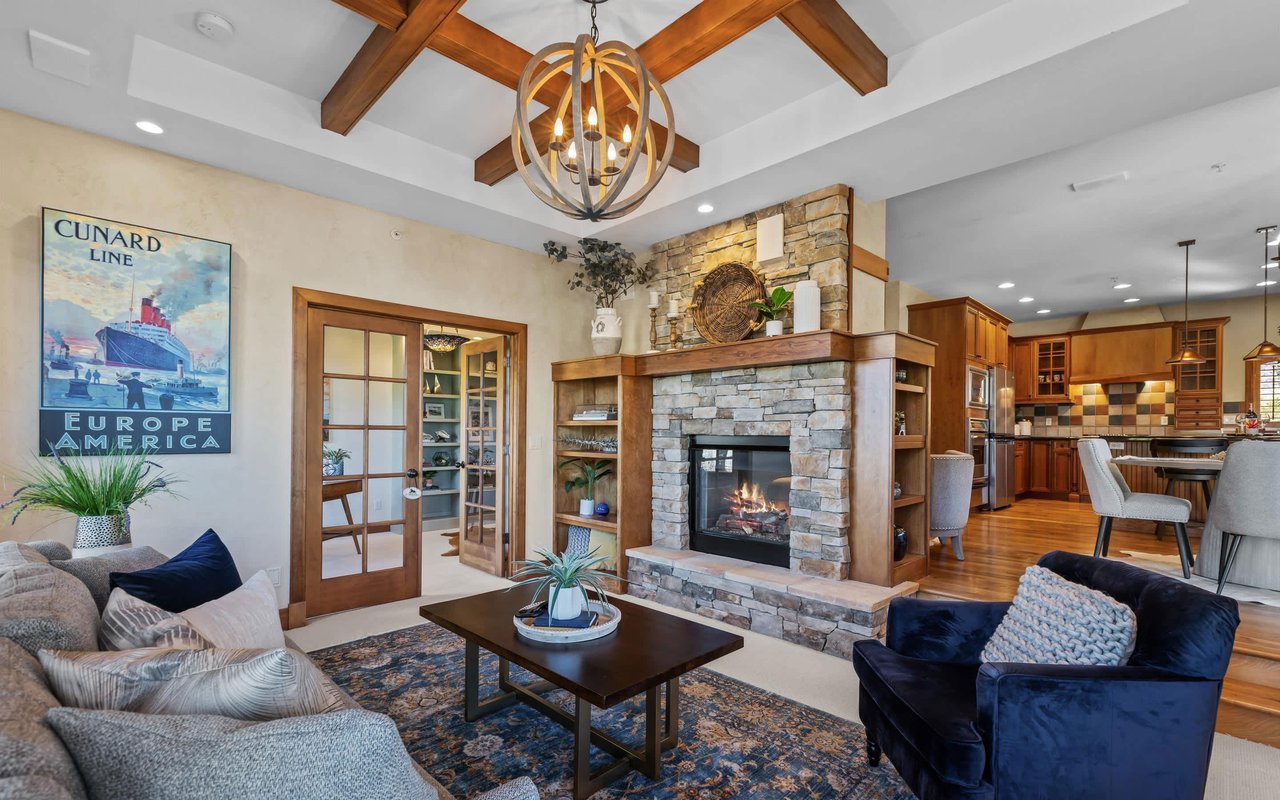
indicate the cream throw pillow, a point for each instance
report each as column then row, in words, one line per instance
column 242, row 684
column 129, row 623
column 247, row 617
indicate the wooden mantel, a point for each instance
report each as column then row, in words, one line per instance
column 773, row 351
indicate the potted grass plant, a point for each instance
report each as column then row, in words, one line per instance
column 772, row 308
column 589, row 472
column 566, row 578
column 97, row 490
column 607, row 270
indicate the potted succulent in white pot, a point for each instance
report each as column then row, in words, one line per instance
column 608, row 270
column 566, row 578
column 589, row 472
column 772, row 308
column 98, row 490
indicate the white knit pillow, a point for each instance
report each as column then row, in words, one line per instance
column 1055, row 621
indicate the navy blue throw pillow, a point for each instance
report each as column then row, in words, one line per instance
column 204, row 571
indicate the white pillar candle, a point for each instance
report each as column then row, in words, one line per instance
column 673, row 308
column 653, row 299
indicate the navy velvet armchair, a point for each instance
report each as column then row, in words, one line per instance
column 955, row 727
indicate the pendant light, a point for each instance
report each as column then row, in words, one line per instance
column 1187, row 355
column 441, row 342
column 602, row 98
column 1267, row 351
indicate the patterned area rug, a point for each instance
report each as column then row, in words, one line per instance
column 736, row 741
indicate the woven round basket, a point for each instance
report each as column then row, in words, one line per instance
column 722, row 301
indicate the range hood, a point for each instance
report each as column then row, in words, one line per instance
column 1127, row 354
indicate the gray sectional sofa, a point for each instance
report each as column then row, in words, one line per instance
column 43, row 606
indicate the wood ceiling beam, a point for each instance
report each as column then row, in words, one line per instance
column 385, row 54
column 387, row 13
column 702, row 30
column 830, row 32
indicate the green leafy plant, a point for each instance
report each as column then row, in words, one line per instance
column 89, row 486
column 589, row 472
column 565, row 571
column 775, row 304
column 606, row 269
column 335, row 455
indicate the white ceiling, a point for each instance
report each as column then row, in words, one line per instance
column 993, row 105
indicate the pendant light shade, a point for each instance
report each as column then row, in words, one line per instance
column 1186, row 355
column 441, row 342
column 1267, row 350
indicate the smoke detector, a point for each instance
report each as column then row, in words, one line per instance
column 215, row 27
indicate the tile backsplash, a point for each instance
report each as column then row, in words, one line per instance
column 1111, row 409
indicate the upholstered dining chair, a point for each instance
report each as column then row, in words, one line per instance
column 1112, row 499
column 1244, row 504
column 950, row 487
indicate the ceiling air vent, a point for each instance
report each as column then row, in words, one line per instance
column 60, row 58
column 1098, row 183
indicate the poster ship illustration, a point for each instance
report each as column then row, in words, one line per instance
column 136, row 338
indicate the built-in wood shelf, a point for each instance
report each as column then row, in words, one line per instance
column 908, row 387
column 588, row 423
column 607, row 523
column 585, row 454
column 913, row 566
column 908, row 500
column 908, row 442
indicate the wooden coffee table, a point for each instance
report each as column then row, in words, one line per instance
column 648, row 652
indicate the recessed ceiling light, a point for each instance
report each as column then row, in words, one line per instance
column 1005, row 285
column 1265, row 283
column 1122, row 286
column 1026, row 299
column 1044, row 311
column 147, row 126
column 706, row 208
column 1133, row 299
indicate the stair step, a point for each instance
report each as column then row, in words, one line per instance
column 1259, row 632
column 1250, row 711
column 1253, row 669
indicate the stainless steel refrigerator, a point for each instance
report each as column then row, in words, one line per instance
column 1000, row 451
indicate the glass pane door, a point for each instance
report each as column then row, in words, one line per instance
column 483, row 520
column 362, row 527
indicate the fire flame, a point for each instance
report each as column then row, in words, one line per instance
column 750, row 500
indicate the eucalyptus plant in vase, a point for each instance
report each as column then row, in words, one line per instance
column 589, row 472
column 568, row 576
column 98, row 490
column 607, row 270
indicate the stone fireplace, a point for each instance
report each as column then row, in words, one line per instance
column 740, row 497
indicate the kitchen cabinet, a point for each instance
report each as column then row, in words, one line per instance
column 986, row 337
column 1023, row 371
column 1051, row 378
column 1021, row 467
column 1040, row 470
column 1198, row 387
column 1063, row 469
column 973, row 334
column 1001, row 357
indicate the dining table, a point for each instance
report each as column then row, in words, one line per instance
column 1257, row 565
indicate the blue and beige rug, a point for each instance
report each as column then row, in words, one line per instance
column 736, row 741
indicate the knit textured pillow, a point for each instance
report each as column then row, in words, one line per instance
column 1055, row 621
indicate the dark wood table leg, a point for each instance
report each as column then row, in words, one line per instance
column 671, row 736
column 474, row 707
column 585, row 783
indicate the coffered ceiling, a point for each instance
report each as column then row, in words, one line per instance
column 973, row 86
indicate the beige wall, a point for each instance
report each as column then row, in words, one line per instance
column 897, row 296
column 281, row 238
column 1239, row 336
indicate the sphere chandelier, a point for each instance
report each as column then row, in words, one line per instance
column 587, row 167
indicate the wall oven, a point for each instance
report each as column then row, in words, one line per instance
column 979, row 441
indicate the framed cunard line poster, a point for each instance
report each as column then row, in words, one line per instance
column 136, row 346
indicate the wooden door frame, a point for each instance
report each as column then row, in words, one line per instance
column 306, row 299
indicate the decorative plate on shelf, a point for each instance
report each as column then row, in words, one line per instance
column 607, row 620
column 722, row 301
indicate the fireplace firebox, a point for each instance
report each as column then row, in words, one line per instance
column 739, row 497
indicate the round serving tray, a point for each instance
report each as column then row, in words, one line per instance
column 606, row 623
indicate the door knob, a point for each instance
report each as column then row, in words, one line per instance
column 411, row 473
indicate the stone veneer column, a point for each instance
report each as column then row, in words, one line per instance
column 809, row 403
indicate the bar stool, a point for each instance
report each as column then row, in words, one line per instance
column 1181, row 448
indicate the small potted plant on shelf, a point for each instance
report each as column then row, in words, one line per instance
column 589, row 472
column 772, row 308
column 333, row 461
column 568, row 576
column 608, row 270
column 98, row 490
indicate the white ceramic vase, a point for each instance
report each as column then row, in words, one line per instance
column 774, row 327
column 586, row 508
column 568, row 603
column 807, row 305
column 606, row 332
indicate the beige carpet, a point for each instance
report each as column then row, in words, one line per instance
column 1171, row 565
column 1240, row 770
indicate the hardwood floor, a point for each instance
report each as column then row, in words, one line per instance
column 999, row 546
